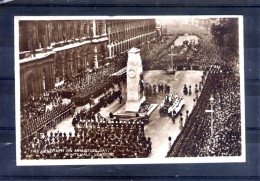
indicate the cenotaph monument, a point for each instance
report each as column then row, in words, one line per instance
column 135, row 87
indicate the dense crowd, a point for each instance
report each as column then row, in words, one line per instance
column 186, row 57
column 37, row 106
column 151, row 58
column 43, row 112
column 98, row 137
column 105, row 99
column 222, row 81
column 195, row 138
column 92, row 83
column 94, row 137
column 39, row 112
column 45, row 121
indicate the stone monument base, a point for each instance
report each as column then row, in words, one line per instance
column 133, row 106
column 123, row 115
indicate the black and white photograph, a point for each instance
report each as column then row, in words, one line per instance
column 129, row 89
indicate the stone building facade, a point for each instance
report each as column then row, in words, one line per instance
column 51, row 51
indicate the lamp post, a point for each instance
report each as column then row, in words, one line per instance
column 171, row 55
column 172, row 60
column 211, row 100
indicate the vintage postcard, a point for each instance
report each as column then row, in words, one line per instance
column 129, row 89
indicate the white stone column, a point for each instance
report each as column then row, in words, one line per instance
column 109, row 50
column 94, row 28
column 95, row 57
column 134, row 82
column 43, row 83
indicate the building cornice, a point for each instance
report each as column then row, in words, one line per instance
column 58, row 49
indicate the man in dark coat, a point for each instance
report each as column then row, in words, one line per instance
column 111, row 115
column 120, row 99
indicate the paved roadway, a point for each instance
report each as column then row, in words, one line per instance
column 161, row 127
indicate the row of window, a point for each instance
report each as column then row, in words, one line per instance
column 43, row 34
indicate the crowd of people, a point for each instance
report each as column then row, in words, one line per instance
column 97, row 137
column 196, row 138
column 94, row 137
column 221, row 81
column 152, row 59
column 80, row 88
column 92, row 83
column 45, row 121
column 37, row 106
column 105, row 99
column 83, row 97
column 150, row 89
column 122, row 138
column 43, row 112
column 186, row 57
